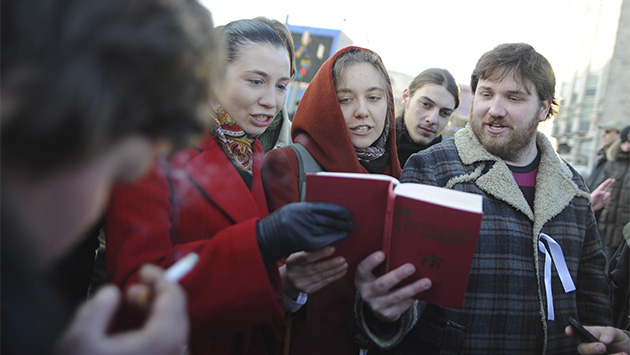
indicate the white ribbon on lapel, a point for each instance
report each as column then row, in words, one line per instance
column 555, row 255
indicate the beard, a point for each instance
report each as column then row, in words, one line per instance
column 510, row 146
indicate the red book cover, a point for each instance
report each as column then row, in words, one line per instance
column 434, row 228
column 366, row 196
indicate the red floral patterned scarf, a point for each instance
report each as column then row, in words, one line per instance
column 235, row 142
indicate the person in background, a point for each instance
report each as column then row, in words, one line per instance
column 619, row 281
column 278, row 134
column 519, row 297
column 601, row 195
column 82, row 109
column 345, row 122
column 209, row 199
column 610, row 134
column 428, row 102
column 616, row 213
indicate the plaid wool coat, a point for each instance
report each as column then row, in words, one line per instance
column 505, row 309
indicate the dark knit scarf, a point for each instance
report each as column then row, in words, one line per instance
column 235, row 142
column 376, row 150
column 406, row 147
column 269, row 138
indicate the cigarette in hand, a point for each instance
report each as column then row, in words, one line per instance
column 141, row 297
column 181, row 268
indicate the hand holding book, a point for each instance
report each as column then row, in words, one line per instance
column 387, row 304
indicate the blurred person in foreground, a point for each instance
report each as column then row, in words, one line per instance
column 91, row 93
column 538, row 260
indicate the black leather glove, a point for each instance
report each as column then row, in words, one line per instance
column 302, row 226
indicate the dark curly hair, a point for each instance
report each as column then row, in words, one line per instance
column 80, row 75
column 522, row 60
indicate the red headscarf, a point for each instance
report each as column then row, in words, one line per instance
column 319, row 124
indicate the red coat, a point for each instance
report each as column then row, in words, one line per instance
column 320, row 327
column 204, row 207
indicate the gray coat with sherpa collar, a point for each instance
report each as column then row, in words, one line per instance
column 505, row 309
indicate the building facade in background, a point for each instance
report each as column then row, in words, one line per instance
column 599, row 90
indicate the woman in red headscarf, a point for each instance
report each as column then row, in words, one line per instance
column 346, row 122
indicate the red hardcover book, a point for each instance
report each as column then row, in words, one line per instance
column 434, row 228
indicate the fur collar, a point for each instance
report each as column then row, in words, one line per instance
column 555, row 187
column 614, row 151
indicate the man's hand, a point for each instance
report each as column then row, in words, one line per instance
column 614, row 339
column 386, row 304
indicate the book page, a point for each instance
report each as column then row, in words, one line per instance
column 441, row 196
column 360, row 176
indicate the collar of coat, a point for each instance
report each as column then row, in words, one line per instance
column 614, row 151
column 555, row 187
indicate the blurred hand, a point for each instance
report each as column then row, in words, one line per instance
column 164, row 332
column 386, row 304
column 614, row 339
column 600, row 196
column 302, row 226
column 309, row 272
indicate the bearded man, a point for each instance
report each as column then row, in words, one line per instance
column 538, row 260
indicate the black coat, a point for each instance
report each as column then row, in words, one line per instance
column 406, row 147
column 616, row 212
